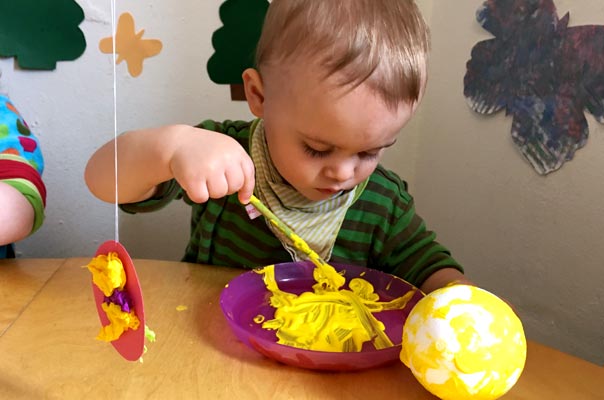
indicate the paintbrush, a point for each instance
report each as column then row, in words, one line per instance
column 327, row 270
column 326, row 276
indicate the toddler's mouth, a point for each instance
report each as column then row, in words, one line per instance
column 329, row 191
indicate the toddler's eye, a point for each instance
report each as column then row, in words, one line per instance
column 315, row 153
column 369, row 156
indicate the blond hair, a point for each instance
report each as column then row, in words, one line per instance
column 384, row 43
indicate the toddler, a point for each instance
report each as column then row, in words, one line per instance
column 334, row 83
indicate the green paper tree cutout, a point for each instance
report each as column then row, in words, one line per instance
column 38, row 33
column 235, row 42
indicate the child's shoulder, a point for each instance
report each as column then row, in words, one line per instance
column 229, row 127
column 385, row 194
column 387, row 184
column 237, row 129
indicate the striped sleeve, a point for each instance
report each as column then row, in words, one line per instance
column 223, row 234
column 17, row 172
column 164, row 194
column 238, row 130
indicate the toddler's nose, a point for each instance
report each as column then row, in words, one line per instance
column 340, row 172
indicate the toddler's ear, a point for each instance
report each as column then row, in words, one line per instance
column 254, row 91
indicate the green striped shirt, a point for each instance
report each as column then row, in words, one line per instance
column 380, row 230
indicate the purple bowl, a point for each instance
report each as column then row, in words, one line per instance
column 246, row 296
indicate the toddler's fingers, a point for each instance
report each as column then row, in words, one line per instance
column 199, row 193
column 235, row 179
column 247, row 189
column 218, row 186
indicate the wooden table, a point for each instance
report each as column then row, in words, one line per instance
column 20, row 282
column 47, row 348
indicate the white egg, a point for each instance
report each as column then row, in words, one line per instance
column 462, row 342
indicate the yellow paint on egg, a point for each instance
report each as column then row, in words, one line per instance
column 462, row 342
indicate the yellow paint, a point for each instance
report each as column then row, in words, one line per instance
column 329, row 318
column 325, row 275
column 119, row 321
column 181, row 308
column 463, row 342
column 149, row 334
column 107, row 273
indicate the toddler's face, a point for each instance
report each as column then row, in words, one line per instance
column 323, row 139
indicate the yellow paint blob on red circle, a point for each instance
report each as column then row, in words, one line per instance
column 462, row 342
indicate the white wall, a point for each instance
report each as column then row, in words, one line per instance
column 71, row 111
column 535, row 240
column 532, row 239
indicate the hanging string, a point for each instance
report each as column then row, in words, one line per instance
column 113, row 33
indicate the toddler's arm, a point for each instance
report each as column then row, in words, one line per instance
column 445, row 276
column 206, row 164
column 442, row 278
column 16, row 215
column 22, row 190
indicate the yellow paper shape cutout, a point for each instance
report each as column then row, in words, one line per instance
column 130, row 46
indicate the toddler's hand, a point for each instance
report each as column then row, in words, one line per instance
column 211, row 165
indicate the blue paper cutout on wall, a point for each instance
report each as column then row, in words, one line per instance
column 543, row 73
